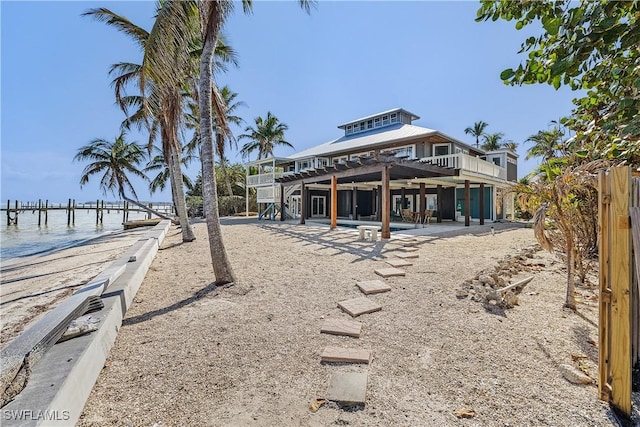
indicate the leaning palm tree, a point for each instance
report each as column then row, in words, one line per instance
column 160, row 99
column 158, row 165
column 267, row 133
column 477, row 130
column 212, row 18
column 115, row 160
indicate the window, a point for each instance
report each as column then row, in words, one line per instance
column 441, row 150
column 377, row 122
column 322, row 162
column 401, row 152
column 341, row 159
column 369, row 124
column 394, row 117
column 349, row 129
column 496, row 160
column 385, row 120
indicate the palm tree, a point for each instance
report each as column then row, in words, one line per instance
column 212, row 17
column 546, row 144
column 267, row 133
column 492, row 141
column 158, row 164
column 477, row 130
column 160, row 96
column 510, row 145
column 115, row 159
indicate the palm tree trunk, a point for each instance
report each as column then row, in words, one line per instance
column 223, row 164
column 220, row 262
column 147, row 208
column 181, row 206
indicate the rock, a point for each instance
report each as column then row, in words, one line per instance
column 509, row 299
column 462, row 293
column 487, row 280
column 464, row 413
column 500, row 282
column 476, row 283
column 574, row 375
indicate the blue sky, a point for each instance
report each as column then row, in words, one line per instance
column 345, row 60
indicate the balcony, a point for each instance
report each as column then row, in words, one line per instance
column 263, row 179
column 468, row 163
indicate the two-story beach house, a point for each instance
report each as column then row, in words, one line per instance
column 382, row 167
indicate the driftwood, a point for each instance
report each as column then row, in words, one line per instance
column 500, row 294
column 18, row 357
column 151, row 211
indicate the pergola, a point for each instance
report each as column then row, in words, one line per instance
column 372, row 169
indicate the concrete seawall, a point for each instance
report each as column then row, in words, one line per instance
column 62, row 380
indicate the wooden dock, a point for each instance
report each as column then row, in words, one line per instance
column 14, row 210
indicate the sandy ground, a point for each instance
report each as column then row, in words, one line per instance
column 31, row 286
column 191, row 354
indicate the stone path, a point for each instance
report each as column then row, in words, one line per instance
column 350, row 388
column 373, row 287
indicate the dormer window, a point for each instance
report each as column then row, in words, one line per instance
column 349, row 129
column 394, row 117
column 377, row 122
column 385, row 120
column 369, row 124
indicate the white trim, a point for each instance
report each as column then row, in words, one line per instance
column 324, row 207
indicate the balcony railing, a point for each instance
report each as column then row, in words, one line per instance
column 263, row 179
column 467, row 163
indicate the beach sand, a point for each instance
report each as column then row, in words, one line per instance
column 192, row 354
column 31, row 286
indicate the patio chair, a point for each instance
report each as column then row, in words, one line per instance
column 407, row 215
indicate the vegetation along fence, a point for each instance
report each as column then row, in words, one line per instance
column 619, row 329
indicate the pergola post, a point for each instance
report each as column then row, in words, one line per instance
column 246, row 191
column 334, row 202
column 303, row 202
column 467, row 202
column 481, row 204
column 403, row 203
column 423, row 201
column 379, row 203
column 281, row 202
column 439, row 203
column 386, row 214
column 354, row 203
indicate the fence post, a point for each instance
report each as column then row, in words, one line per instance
column 616, row 263
column 604, row 200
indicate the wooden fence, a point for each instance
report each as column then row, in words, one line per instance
column 619, row 329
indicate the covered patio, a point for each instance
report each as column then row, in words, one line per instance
column 370, row 184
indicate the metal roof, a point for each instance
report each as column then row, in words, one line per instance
column 372, row 139
column 393, row 110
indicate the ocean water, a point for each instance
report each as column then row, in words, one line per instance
column 27, row 238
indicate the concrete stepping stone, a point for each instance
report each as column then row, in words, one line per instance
column 348, row 388
column 389, row 272
column 357, row 306
column 373, row 287
column 407, row 249
column 398, row 262
column 345, row 355
column 406, row 255
column 344, row 327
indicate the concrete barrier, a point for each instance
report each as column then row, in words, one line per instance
column 61, row 381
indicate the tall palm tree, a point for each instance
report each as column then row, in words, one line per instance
column 158, row 165
column 477, row 130
column 267, row 133
column 547, row 144
column 115, row 160
column 212, row 18
column 160, row 100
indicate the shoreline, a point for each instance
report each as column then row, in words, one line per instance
column 32, row 285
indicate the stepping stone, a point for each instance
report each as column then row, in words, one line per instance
column 389, row 272
column 341, row 327
column 348, row 388
column 345, row 355
column 408, row 249
column 406, row 255
column 373, row 287
column 357, row 306
column 398, row 263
